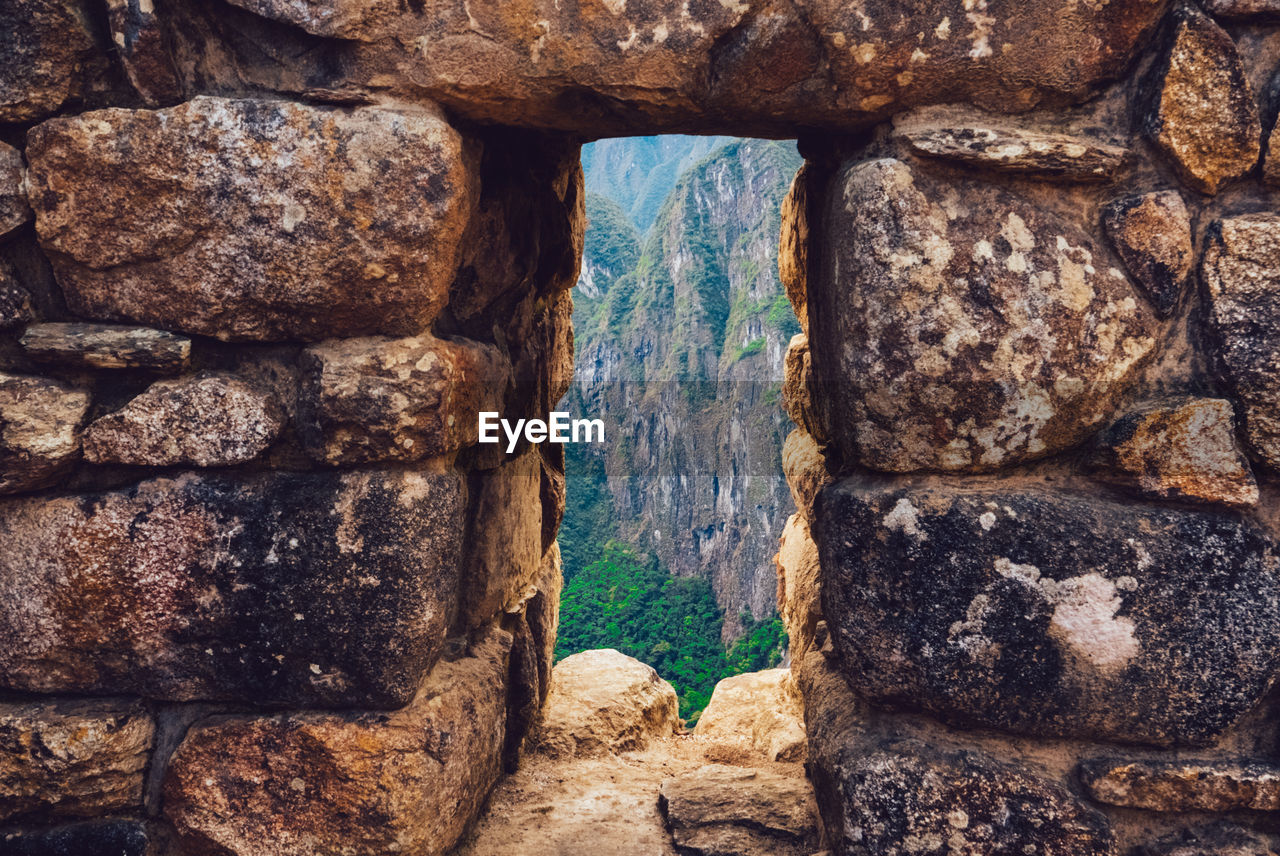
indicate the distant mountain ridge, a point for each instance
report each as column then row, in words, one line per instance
column 695, row 466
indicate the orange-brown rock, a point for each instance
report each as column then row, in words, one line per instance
column 964, row 327
column 212, row 420
column 40, row 421
column 1271, row 166
column 799, row 586
column 793, row 244
column 718, row 810
column 797, row 386
column 310, row 589
column 44, row 47
column 1204, row 115
column 604, row 702
column 380, row 399
column 248, row 219
column 68, row 758
column 1189, row 785
column 1268, row 10
column 406, row 782
column 606, row 66
column 1183, row 449
column 144, row 50
column 14, row 210
column 806, row 470
column 759, row 708
column 1152, row 234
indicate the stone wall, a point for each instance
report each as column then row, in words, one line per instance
column 261, row 592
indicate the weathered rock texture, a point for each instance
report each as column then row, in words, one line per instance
column 14, row 210
column 305, row 589
column 1183, row 785
column 1152, row 234
column 1019, row 151
column 72, row 759
column 106, row 346
column 966, row 332
column 292, row 222
column 327, row 784
column 45, row 46
column 40, row 422
column 759, row 707
column 719, row 810
column 1215, row 839
column 1056, row 615
column 208, row 421
column 605, row 702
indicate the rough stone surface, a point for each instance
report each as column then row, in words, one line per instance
column 1152, row 234
column 405, row 782
column 143, row 48
column 1241, row 277
column 906, row 798
column 40, row 422
column 246, row 219
column 397, row 399
column 42, row 48
column 15, row 301
column 604, row 702
column 1271, row 166
column 799, row 586
column 1181, row 449
column 806, row 470
column 797, row 386
column 14, row 210
column 1183, row 785
column 964, row 329
column 99, row 838
column 669, row 65
column 72, row 758
column 209, row 421
column 106, row 346
column 1055, row 614
column 732, row 811
column 1240, row 9
column 1204, row 116
column 304, row 589
column 1017, row 150
column 793, row 244
column 761, row 707
column 1215, row 839
column 504, row 556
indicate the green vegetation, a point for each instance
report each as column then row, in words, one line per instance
column 627, row 601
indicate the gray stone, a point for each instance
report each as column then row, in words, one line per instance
column 1050, row 614
column 962, row 327
column 905, row 798
column 14, row 210
column 306, row 589
column 1181, row 449
column 208, row 421
column 732, row 811
column 1214, row 839
column 43, row 46
column 397, row 399
column 1182, row 786
column 40, row 422
column 1241, row 277
column 97, row 837
column 1152, row 234
column 106, row 346
column 254, row 220
column 1017, row 150
column 1266, row 10
column 72, row 758
column 1204, row 116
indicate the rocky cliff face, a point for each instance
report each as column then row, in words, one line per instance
column 680, row 342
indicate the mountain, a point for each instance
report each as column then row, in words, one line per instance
column 680, row 341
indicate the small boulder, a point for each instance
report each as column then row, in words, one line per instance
column 1204, row 116
column 604, row 702
column 106, row 346
column 760, row 707
column 72, row 758
column 1241, row 277
column 40, row 423
column 14, row 210
column 1015, row 150
column 731, row 811
column 1152, row 234
column 1182, row 786
column 207, row 421
column 1184, row 449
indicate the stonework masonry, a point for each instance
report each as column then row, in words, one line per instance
column 262, row 262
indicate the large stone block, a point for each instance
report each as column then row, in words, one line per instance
column 1241, row 277
column 1048, row 613
column 247, row 219
column 359, row 784
column 383, row 399
column 72, row 758
column 963, row 327
column 323, row 589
